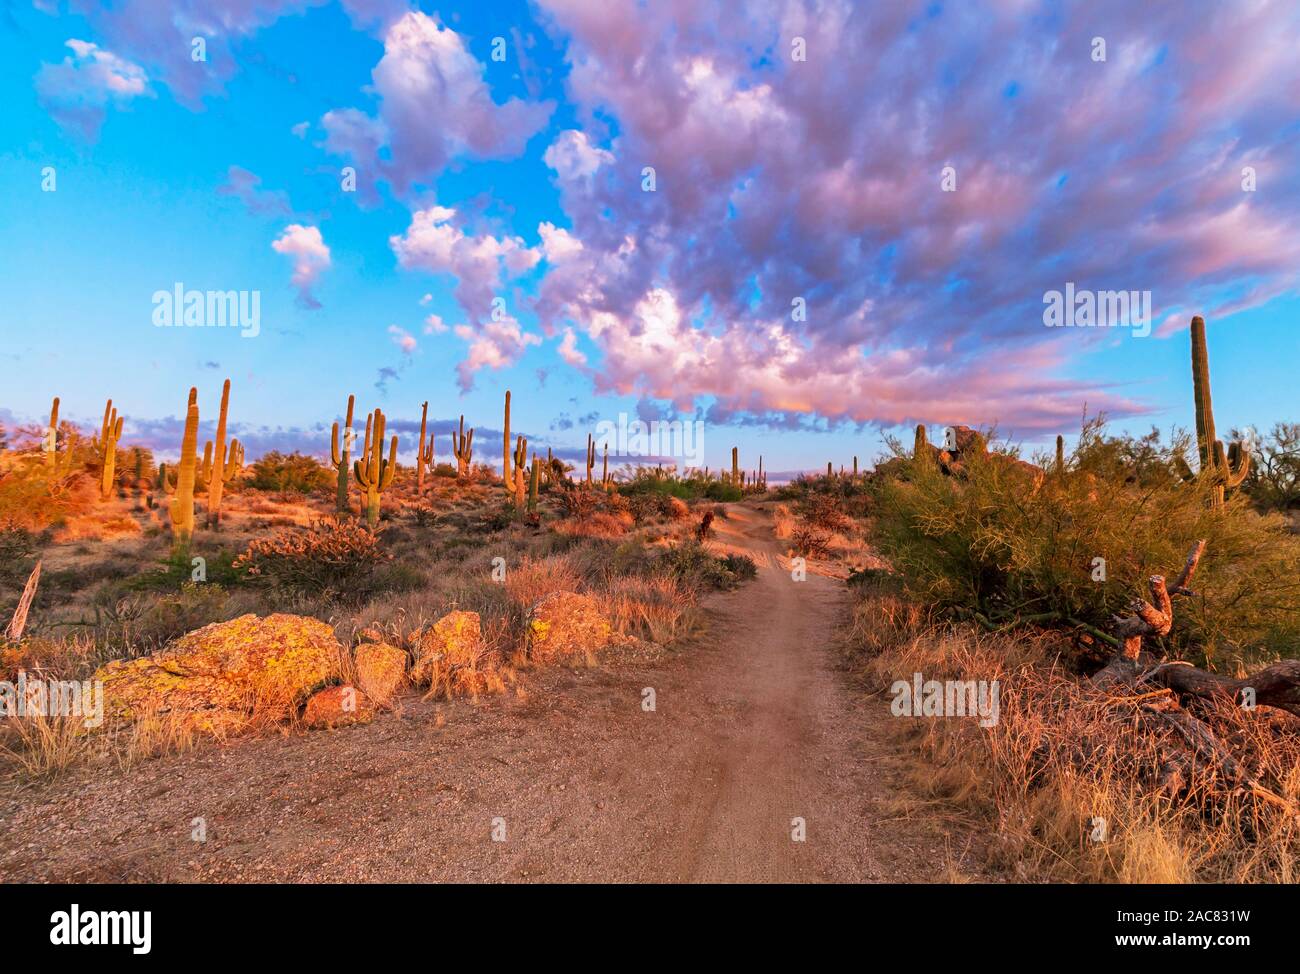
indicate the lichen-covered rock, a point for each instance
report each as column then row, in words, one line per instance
column 566, row 624
column 337, row 707
column 245, row 668
column 454, row 640
column 381, row 669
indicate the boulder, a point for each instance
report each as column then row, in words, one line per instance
column 337, row 707
column 227, row 672
column 566, row 624
column 381, row 670
column 454, row 640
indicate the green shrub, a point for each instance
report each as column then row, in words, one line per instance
column 290, row 471
column 1006, row 544
column 333, row 556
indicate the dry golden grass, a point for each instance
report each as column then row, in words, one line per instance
column 1065, row 779
column 659, row 608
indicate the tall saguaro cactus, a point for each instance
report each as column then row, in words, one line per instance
column 423, row 455
column 533, row 478
column 591, row 456
column 462, row 448
column 110, row 432
column 506, row 477
column 181, row 487
column 1222, row 471
column 374, row 474
column 57, row 466
column 342, row 457
column 220, row 466
column 735, row 465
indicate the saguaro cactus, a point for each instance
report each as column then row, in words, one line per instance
column 506, row 477
column 57, row 466
column 423, row 456
column 1221, row 471
column 533, row 479
column 373, row 472
column 342, row 457
column 735, row 465
column 1060, row 454
column 591, row 456
column 520, row 465
column 106, row 445
column 462, row 448
column 181, row 487
column 220, row 466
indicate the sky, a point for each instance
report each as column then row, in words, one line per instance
column 806, row 225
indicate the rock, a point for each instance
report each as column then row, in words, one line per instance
column 566, row 624
column 454, row 640
column 226, row 673
column 337, row 707
column 381, row 669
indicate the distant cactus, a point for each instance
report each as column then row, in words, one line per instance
column 57, row 465
column 342, row 458
column 462, row 448
column 1221, row 471
column 373, row 473
column 533, row 479
column 605, row 482
column 591, row 456
column 181, row 487
column 1060, row 454
column 106, row 445
column 735, row 466
column 219, row 465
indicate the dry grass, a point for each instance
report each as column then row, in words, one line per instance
column 658, row 608
column 1065, row 779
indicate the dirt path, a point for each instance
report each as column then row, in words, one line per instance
column 753, row 730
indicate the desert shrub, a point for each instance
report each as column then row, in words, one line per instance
column 533, row 578
column 809, row 540
column 578, row 501
column 444, row 470
column 716, row 490
column 290, row 472
column 598, row 524
column 17, row 553
column 658, row 608
column 825, row 511
column 1274, row 479
column 29, row 500
column 1005, row 544
column 339, row 557
column 690, row 563
column 741, row 566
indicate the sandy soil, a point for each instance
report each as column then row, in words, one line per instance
column 754, row 727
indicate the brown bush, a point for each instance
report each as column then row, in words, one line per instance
column 332, row 556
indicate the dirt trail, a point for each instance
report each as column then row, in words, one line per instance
column 753, row 728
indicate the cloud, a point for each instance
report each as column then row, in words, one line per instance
column 78, row 91
column 243, row 185
column 434, row 243
column 820, row 180
column 403, row 339
column 434, row 325
column 494, row 345
column 434, row 106
column 311, row 257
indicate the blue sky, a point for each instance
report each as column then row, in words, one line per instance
column 924, row 306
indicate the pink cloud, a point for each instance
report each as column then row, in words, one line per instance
column 311, row 257
column 77, row 91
